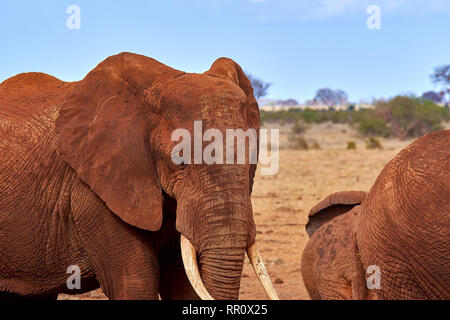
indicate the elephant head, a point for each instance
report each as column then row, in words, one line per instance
column 115, row 131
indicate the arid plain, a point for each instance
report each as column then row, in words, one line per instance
column 281, row 202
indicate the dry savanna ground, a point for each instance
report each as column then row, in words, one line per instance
column 281, row 202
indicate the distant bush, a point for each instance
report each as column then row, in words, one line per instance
column 410, row 117
column 351, row 145
column 342, row 116
column 313, row 116
column 288, row 116
column 372, row 125
column 315, row 146
column 403, row 117
column 373, row 143
column 298, row 127
column 306, row 116
column 429, row 118
column 299, row 143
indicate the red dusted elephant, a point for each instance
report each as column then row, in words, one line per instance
column 327, row 263
column 86, row 179
column 393, row 243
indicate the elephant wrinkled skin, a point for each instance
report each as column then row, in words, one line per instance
column 86, row 179
column 401, row 228
column 404, row 224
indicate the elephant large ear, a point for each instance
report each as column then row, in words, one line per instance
column 103, row 128
column 226, row 68
column 334, row 205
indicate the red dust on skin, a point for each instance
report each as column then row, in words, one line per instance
column 327, row 263
column 88, row 166
column 403, row 225
column 395, row 244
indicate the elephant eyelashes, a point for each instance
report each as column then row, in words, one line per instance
column 179, row 166
column 182, row 165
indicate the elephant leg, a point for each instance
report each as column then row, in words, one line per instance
column 174, row 284
column 123, row 259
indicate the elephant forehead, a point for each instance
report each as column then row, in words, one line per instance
column 195, row 89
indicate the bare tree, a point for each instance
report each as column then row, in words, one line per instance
column 260, row 87
column 290, row 102
column 441, row 76
column 341, row 96
column 330, row 97
column 434, row 96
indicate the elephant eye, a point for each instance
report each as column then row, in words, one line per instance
column 182, row 165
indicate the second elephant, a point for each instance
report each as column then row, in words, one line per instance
column 399, row 234
column 327, row 263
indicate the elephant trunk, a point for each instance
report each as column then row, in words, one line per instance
column 225, row 237
column 214, row 267
column 190, row 264
column 221, row 271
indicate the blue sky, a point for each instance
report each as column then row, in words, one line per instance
column 299, row 46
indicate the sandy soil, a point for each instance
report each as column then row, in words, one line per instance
column 281, row 202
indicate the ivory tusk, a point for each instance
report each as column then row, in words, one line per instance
column 261, row 272
column 190, row 266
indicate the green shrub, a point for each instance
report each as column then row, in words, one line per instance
column 429, row 118
column 371, row 125
column 409, row 117
column 311, row 116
